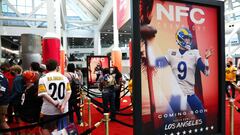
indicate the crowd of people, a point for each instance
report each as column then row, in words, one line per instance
column 39, row 94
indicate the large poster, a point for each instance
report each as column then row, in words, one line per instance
column 180, row 80
column 95, row 65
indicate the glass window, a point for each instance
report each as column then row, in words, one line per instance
column 13, row 2
column 42, row 11
column 10, row 10
column 4, row 8
column 21, row 9
column 28, row 3
column 37, row 2
column 28, row 10
column 21, row 2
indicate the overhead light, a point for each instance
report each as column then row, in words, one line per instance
column 105, row 34
column 108, row 30
column 15, row 40
column 125, row 31
column 120, row 35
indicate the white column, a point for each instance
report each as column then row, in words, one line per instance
column 97, row 42
column 58, row 18
column 0, row 47
column 115, row 29
column 64, row 41
column 50, row 16
column 0, row 28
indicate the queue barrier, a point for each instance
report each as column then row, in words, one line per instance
column 82, row 96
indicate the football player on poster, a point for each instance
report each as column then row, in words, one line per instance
column 183, row 63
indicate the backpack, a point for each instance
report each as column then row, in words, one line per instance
column 108, row 81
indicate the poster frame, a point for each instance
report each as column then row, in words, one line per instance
column 136, row 60
column 88, row 58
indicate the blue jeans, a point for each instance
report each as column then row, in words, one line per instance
column 108, row 97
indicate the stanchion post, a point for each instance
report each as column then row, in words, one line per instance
column 106, row 121
column 89, row 113
column 83, row 109
column 231, row 102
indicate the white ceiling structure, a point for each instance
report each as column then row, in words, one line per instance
column 79, row 18
column 82, row 18
column 75, row 14
column 232, row 28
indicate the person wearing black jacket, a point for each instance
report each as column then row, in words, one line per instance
column 117, row 87
column 106, row 85
column 75, row 87
column 4, row 101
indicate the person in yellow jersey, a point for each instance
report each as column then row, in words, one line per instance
column 230, row 72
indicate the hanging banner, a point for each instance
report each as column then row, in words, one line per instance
column 181, row 50
column 123, row 12
column 95, row 65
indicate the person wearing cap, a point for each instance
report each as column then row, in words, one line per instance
column 42, row 69
column 30, row 102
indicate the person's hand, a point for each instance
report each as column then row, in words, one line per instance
column 208, row 53
column 62, row 108
column 56, row 104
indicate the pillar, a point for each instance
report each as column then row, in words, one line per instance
column 51, row 48
column 50, row 16
column 30, row 49
column 116, row 51
column 97, row 42
column 0, row 35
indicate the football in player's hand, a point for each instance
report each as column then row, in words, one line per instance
column 147, row 31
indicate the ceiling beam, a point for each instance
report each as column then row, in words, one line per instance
column 83, row 22
column 106, row 13
column 102, row 2
column 85, row 9
column 63, row 13
column 35, row 9
column 16, row 11
column 90, row 7
column 97, row 5
column 17, row 31
column 22, row 19
column 79, row 10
